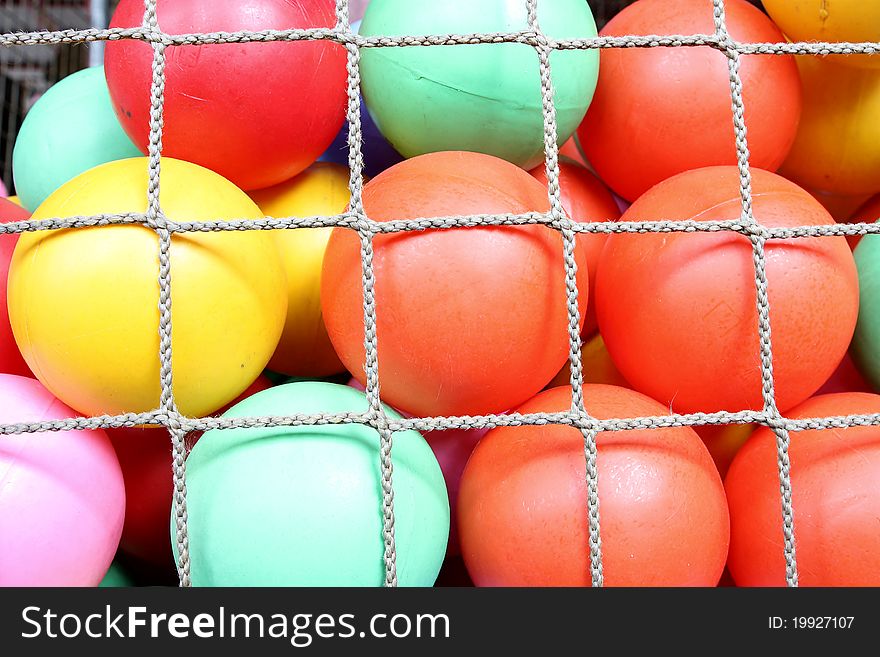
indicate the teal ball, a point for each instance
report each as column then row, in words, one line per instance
column 483, row 97
column 72, row 128
column 866, row 341
column 116, row 577
column 302, row 506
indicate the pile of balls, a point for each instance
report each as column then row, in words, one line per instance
column 469, row 320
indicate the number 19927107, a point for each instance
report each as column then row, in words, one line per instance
column 811, row 622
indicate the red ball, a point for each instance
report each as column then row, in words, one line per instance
column 256, row 113
column 660, row 111
column 585, row 199
column 523, row 501
column 145, row 456
column 11, row 361
column 867, row 213
column 470, row 320
column 846, row 378
column 678, row 310
column 835, row 497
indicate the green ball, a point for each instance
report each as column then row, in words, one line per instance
column 302, row 506
column 483, row 97
column 866, row 341
column 116, row 577
column 70, row 129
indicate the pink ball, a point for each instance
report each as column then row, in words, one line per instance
column 62, row 500
column 453, row 448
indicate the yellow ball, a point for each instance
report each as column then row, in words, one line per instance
column 83, row 303
column 832, row 21
column 837, row 147
column 596, row 364
column 15, row 200
column 322, row 189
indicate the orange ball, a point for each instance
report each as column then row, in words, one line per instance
column 678, row 310
column 523, row 501
column 660, row 111
column 585, row 199
column 470, row 320
column 835, row 497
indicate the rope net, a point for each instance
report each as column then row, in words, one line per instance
column 356, row 219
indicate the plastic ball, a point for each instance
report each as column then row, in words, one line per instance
column 571, row 149
column 145, row 457
column 322, row 189
column 69, row 130
column 16, row 200
column 819, row 20
column 11, row 361
column 840, row 206
column 469, row 320
column 302, row 506
column 585, row 199
column 257, row 113
column 723, row 442
column 452, row 448
column 482, row 97
column 377, row 152
column 62, row 501
column 523, row 501
column 596, row 364
column 116, row 577
column 866, row 341
column 679, row 312
column 867, row 213
column 84, row 303
column 846, row 378
column 837, row 148
column 661, row 111
column 835, row 498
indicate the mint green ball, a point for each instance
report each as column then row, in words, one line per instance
column 484, row 97
column 302, row 506
column 116, row 577
column 72, row 128
column 866, row 341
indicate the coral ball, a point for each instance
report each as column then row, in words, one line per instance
column 835, row 497
column 62, row 500
column 661, row 111
column 523, row 501
column 257, row 113
column 679, row 313
column 84, row 303
column 469, row 320
column 584, row 199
